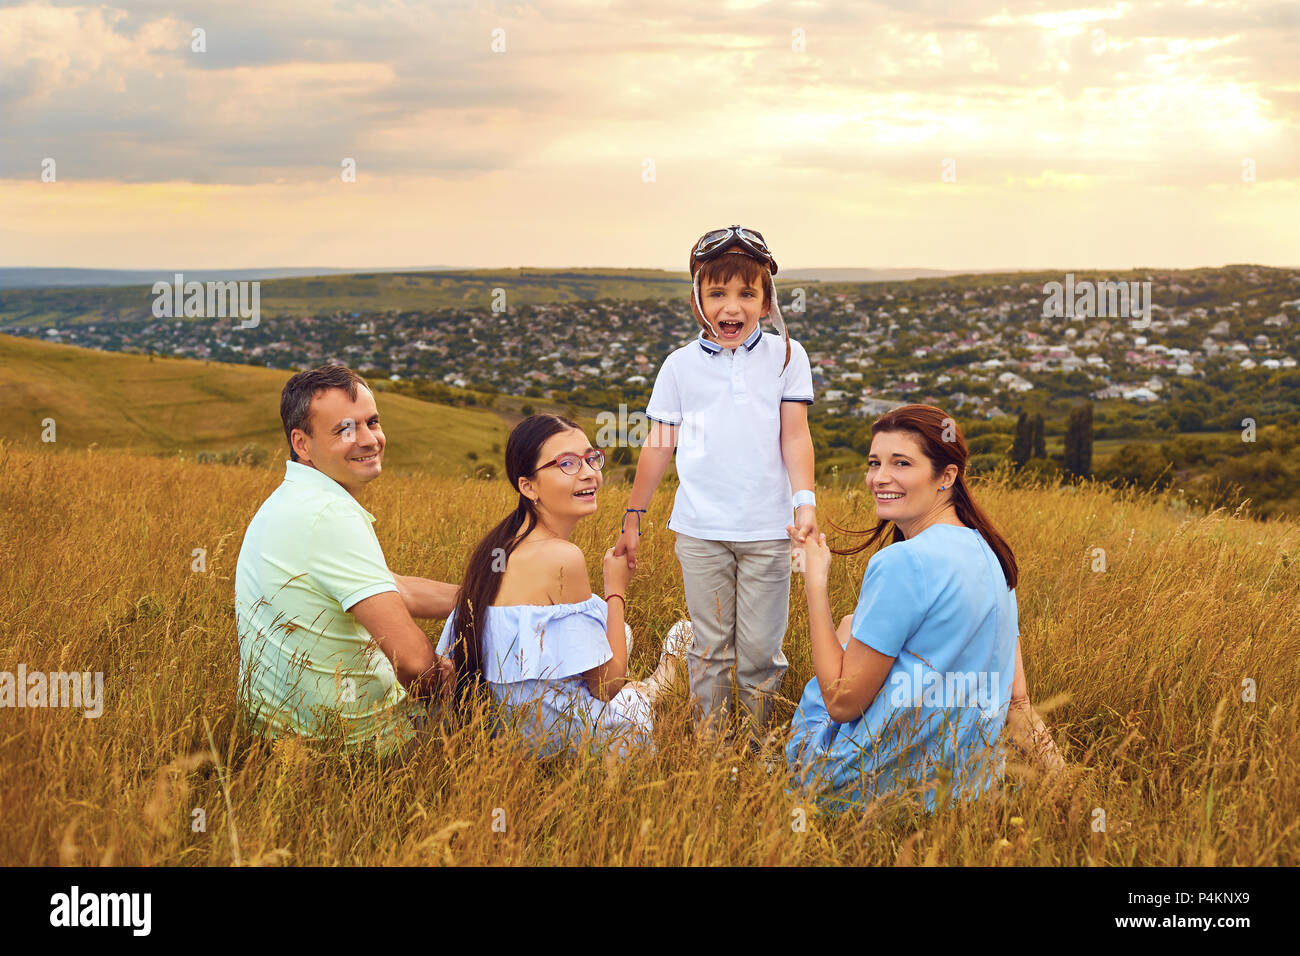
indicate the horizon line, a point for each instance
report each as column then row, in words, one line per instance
column 483, row 268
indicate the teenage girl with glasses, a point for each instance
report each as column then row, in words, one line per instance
column 527, row 624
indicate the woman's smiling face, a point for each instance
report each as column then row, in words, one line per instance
column 900, row 477
column 557, row 492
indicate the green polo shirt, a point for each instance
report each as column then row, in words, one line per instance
column 306, row 666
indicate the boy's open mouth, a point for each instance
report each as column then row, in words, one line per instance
column 730, row 328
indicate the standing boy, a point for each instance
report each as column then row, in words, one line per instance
column 734, row 405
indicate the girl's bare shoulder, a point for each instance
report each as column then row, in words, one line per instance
column 550, row 571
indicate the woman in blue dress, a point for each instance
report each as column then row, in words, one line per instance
column 916, row 686
column 527, row 624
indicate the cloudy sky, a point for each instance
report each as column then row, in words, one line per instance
column 981, row 134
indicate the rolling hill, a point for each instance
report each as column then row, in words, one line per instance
column 162, row 406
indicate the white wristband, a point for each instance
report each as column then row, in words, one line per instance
column 805, row 498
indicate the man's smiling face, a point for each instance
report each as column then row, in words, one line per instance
column 346, row 442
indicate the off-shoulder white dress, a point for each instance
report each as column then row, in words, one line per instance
column 533, row 660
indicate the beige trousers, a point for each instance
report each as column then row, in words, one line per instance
column 738, row 595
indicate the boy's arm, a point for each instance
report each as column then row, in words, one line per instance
column 426, row 598
column 651, row 464
column 797, row 453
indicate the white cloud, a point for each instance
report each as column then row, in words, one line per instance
column 1017, row 92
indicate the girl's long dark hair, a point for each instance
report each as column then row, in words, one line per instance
column 932, row 426
column 482, row 579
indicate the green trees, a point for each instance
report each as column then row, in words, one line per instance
column 1137, row 464
column 1189, row 417
column 1078, row 442
column 1022, row 443
column 1029, row 441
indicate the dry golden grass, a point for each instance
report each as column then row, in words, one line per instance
column 1149, row 656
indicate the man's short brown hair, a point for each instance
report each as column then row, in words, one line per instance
column 296, row 398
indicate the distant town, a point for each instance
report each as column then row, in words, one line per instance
column 981, row 345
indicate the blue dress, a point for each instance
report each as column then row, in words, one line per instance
column 533, row 658
column 939, row 604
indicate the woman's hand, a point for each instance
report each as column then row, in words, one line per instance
column 1031, row 737
column 805, row 524
column 617, row 574
column 446, row 674
column 816, row 561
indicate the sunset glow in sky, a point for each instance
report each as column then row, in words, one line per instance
column 613, row 134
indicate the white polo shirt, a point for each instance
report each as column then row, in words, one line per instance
column 733, row 482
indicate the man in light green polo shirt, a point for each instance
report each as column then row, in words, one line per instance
column 328, row 649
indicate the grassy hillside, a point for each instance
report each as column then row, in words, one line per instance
column 1140, row 667
column 181, row 406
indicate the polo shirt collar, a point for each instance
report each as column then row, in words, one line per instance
column 713, row 348
column 306, row 475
